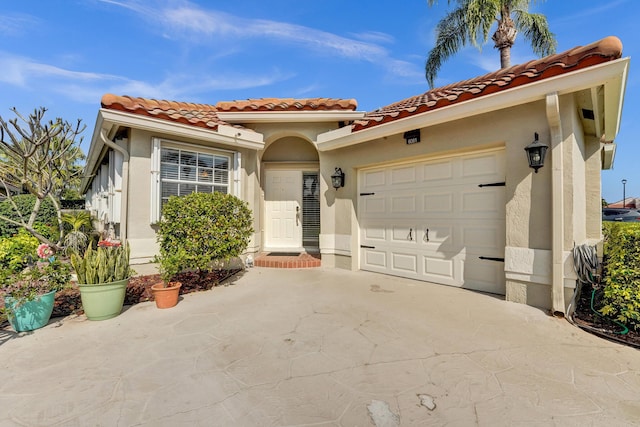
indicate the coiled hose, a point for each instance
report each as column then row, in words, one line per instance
column 585, row 262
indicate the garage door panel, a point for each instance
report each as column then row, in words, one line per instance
column 437, row 171
column 404, row 262
column 376, row 178
column 372, row 205
column 483, row 240
column 402, row 204
column 375, row 232
column 483, row 275
column 403, row 234
column 441, row 268
column 482, row 166
column 437, row 237
column 375, row 259
column 438, row 203
column 403, row 175
column 483, row 201
column 430, row 220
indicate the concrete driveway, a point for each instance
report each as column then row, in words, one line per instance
column 319, row 347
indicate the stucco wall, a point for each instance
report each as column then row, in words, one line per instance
column 528, row 194
column 141, row 233
column 502, row 129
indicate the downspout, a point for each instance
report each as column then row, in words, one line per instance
column 124, row 219
column 557, row 205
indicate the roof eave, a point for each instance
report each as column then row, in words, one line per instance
column 304, row 116
column 111, row 120
column 612, row 75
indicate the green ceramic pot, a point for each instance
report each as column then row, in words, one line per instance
column 32, row 314
column 103, row 301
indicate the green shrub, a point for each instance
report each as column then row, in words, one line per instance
column 16, row 251
column 621, row 273
column 201, row 228
column 46, row 221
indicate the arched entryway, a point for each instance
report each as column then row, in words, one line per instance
column 290, row 181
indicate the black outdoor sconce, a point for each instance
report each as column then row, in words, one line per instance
column 535, row 153
column 337, row 179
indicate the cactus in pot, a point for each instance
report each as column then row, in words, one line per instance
column 103, row 275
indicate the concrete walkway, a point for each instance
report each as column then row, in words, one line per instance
column 319, row 347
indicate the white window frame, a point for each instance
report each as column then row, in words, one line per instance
column 156, row 155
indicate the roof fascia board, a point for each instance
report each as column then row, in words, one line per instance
column 226, row 135
column 109, row 120
column 607, row 73
column 95, row 151
column 613, row 99
column 289, row 116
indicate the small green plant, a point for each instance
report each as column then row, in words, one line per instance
column 80, row 224
column 621, row 274
column 17, row 251
column 108, row 263
column 48, row 274
column 198, row 229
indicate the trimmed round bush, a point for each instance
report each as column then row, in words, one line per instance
column 201, row 228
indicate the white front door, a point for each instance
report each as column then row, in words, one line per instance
column 283, row 205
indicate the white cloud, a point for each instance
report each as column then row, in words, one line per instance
column 16, row 23
column 189, row 21
column 86, row 87
column 374, row 36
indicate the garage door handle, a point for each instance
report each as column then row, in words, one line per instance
column 410, row 234
column 367, row 247
column 426, row 234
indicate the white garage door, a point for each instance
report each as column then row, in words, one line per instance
column 441, row 220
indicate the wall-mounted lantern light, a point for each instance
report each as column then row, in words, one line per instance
column 535, row 153
column 337, row 179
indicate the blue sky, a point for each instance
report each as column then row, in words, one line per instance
column 65, row 54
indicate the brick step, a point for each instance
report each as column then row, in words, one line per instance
column 273, row 260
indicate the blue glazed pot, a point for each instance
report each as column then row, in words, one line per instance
column 32, row 314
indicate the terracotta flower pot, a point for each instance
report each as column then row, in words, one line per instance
column 166, row 297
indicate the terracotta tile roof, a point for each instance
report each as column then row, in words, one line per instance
column 288, row 104
column 200, row 115
column 607, row 49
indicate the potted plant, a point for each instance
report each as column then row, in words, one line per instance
column 199, row 230
column 103, row 275
column 167, row 292
column 30, row 293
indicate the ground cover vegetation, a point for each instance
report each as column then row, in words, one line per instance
column 611, row 306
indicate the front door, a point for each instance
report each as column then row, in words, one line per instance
column 283, row 205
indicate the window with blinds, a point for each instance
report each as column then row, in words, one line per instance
column 310, row 209
column 183, row 172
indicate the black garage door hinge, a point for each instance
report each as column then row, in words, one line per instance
column 493, row 184
column 488, row 258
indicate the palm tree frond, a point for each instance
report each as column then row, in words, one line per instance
column 451, row 35
column 536, row 29
column 480, row 16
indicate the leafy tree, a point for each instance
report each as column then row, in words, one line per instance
column 41, row 159
column 45, row 220
column 471, row 21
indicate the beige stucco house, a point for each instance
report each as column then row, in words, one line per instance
column 436, row 187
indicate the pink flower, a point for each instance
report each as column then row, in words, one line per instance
column 108, row 244
column 45, row 251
